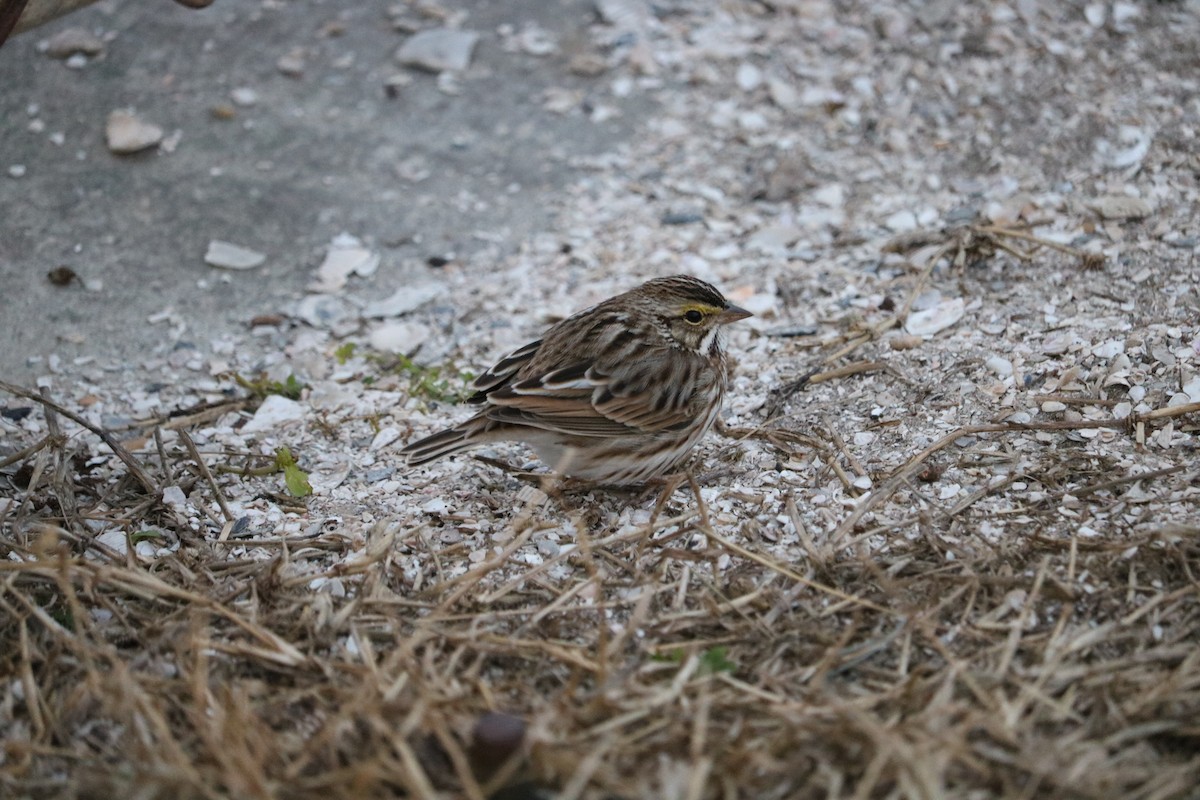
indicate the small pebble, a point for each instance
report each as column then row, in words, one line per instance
column 74, row 42
column 495, row 739
column 933, row 320
column 749, row 77
column 243, row 96
column 291, row 65
column 225, row 255
column 128, row 133
column 321, row 311
column 901, row 222
column 403, row 300
column 399, row 337
column 905, row 342
column 1001, row 366
column 438, row 50
column 275, row 412
column 681, row 218
column 1121, row 207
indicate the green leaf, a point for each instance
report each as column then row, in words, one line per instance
column 291, row 388
column 297, row 481
column 714, row 660
column 295, row 478
column 142, row 536
column 344, row 352
column 64, row 617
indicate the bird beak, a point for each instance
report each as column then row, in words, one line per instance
column 732, row 313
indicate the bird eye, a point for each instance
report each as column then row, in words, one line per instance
column 694, row 317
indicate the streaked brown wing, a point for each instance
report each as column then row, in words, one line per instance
column 503, row 371
column 604, row 399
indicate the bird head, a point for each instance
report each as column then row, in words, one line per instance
column 691, row 311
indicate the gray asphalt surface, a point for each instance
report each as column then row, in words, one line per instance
column 316, row 155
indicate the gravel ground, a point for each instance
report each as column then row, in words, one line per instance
column 945, row 544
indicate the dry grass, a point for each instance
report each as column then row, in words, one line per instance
column 940, row 665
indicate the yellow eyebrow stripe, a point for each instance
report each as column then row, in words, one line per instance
column 702, row 308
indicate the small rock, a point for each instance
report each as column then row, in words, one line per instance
column 115, row 539
column 1057, row 343
column 993, row 327
column 16, row 171
column 760, row 305
column 1001, row 366
column 949, row 491
column 1095, row 14
column 1053, row 406
column 681, row 218
column 496, row 738
column 225, row 255
column 1109, row 349
column 774, row 238
column 346, row 256
column 932, row 320
column 536, row 41
column 399, row 337
column 77, row 61
column 783, row 94
column 832, row 195
column 292, row 64
column 905, row 342
column 438, row 50
column 624, row 15
column 587, row 65
column 243, row 96
column 933, row 14
column 901, row 222
column 749, row 77
column 274, row 412
column 891, row 24
column 790, row 177
column 1123, row 13
column 752, row 121
column 402, row 301
column 321, row 311
column 384, row 438
column 63, row 276
column 1130, row 148
column 73, row 41
column 1119, row 206
column 127, row 133
column 377, row 474
column 1180, row 398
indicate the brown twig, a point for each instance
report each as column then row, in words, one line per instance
column 135, row 469
column 208, row 476
column 906, row 472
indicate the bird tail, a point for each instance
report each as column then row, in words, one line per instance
column 442, row 443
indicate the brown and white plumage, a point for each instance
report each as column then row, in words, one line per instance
column 618, row 393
